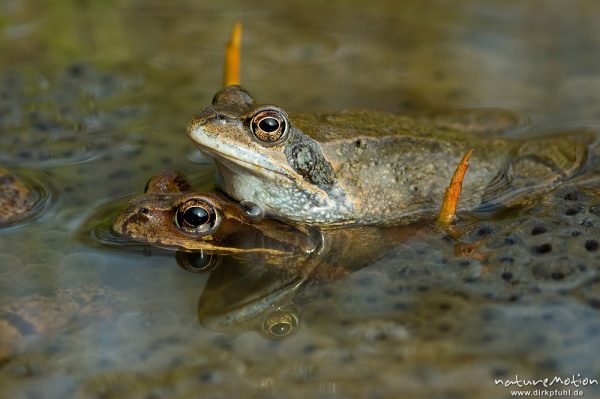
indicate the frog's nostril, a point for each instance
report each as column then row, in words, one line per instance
column 205, row 117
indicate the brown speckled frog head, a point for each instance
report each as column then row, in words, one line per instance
column 18, row 198
column 170, row 215
column 264, row 156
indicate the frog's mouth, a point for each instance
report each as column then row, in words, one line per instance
column 214, row 145
column 239, row 164
column 236, row 164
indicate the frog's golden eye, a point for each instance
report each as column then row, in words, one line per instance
column 280, row 324
column 269, row 125
column 196, row 216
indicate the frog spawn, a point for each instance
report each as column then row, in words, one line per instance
column 61, row 117
column 543, row 253
column 536, row 304
column 551, row 245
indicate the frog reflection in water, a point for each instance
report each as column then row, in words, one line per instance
column 261, row 298
column 372, row 168
column 285, row 260
column 266, row 293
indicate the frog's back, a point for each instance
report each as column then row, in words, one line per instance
column 392, row 167
column 441, row 125
column 395, row 167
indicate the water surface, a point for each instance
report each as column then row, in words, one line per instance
column 94, row 99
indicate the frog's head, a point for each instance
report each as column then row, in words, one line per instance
column 262, row 141
column 189, row 220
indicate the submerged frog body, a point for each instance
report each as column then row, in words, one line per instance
column 366, row 167
column 17, row 199
column 39, row 315
column 170, row 215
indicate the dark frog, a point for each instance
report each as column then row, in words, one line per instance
column 369, row 167
column 19, row 197
column 171, row 215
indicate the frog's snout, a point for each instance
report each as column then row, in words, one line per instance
column 207, row 116
column 209, row 122
column 129, row 220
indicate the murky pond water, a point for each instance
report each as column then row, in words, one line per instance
column 94, row 99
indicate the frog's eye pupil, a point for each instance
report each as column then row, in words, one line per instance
column 198, row 261
column 280, row 329
column 280, row 324
column 196, row 216
column 269, row 125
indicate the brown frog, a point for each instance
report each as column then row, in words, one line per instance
column 39, row 315
column 17, row 198
column 370, row 167
column 170, row 215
